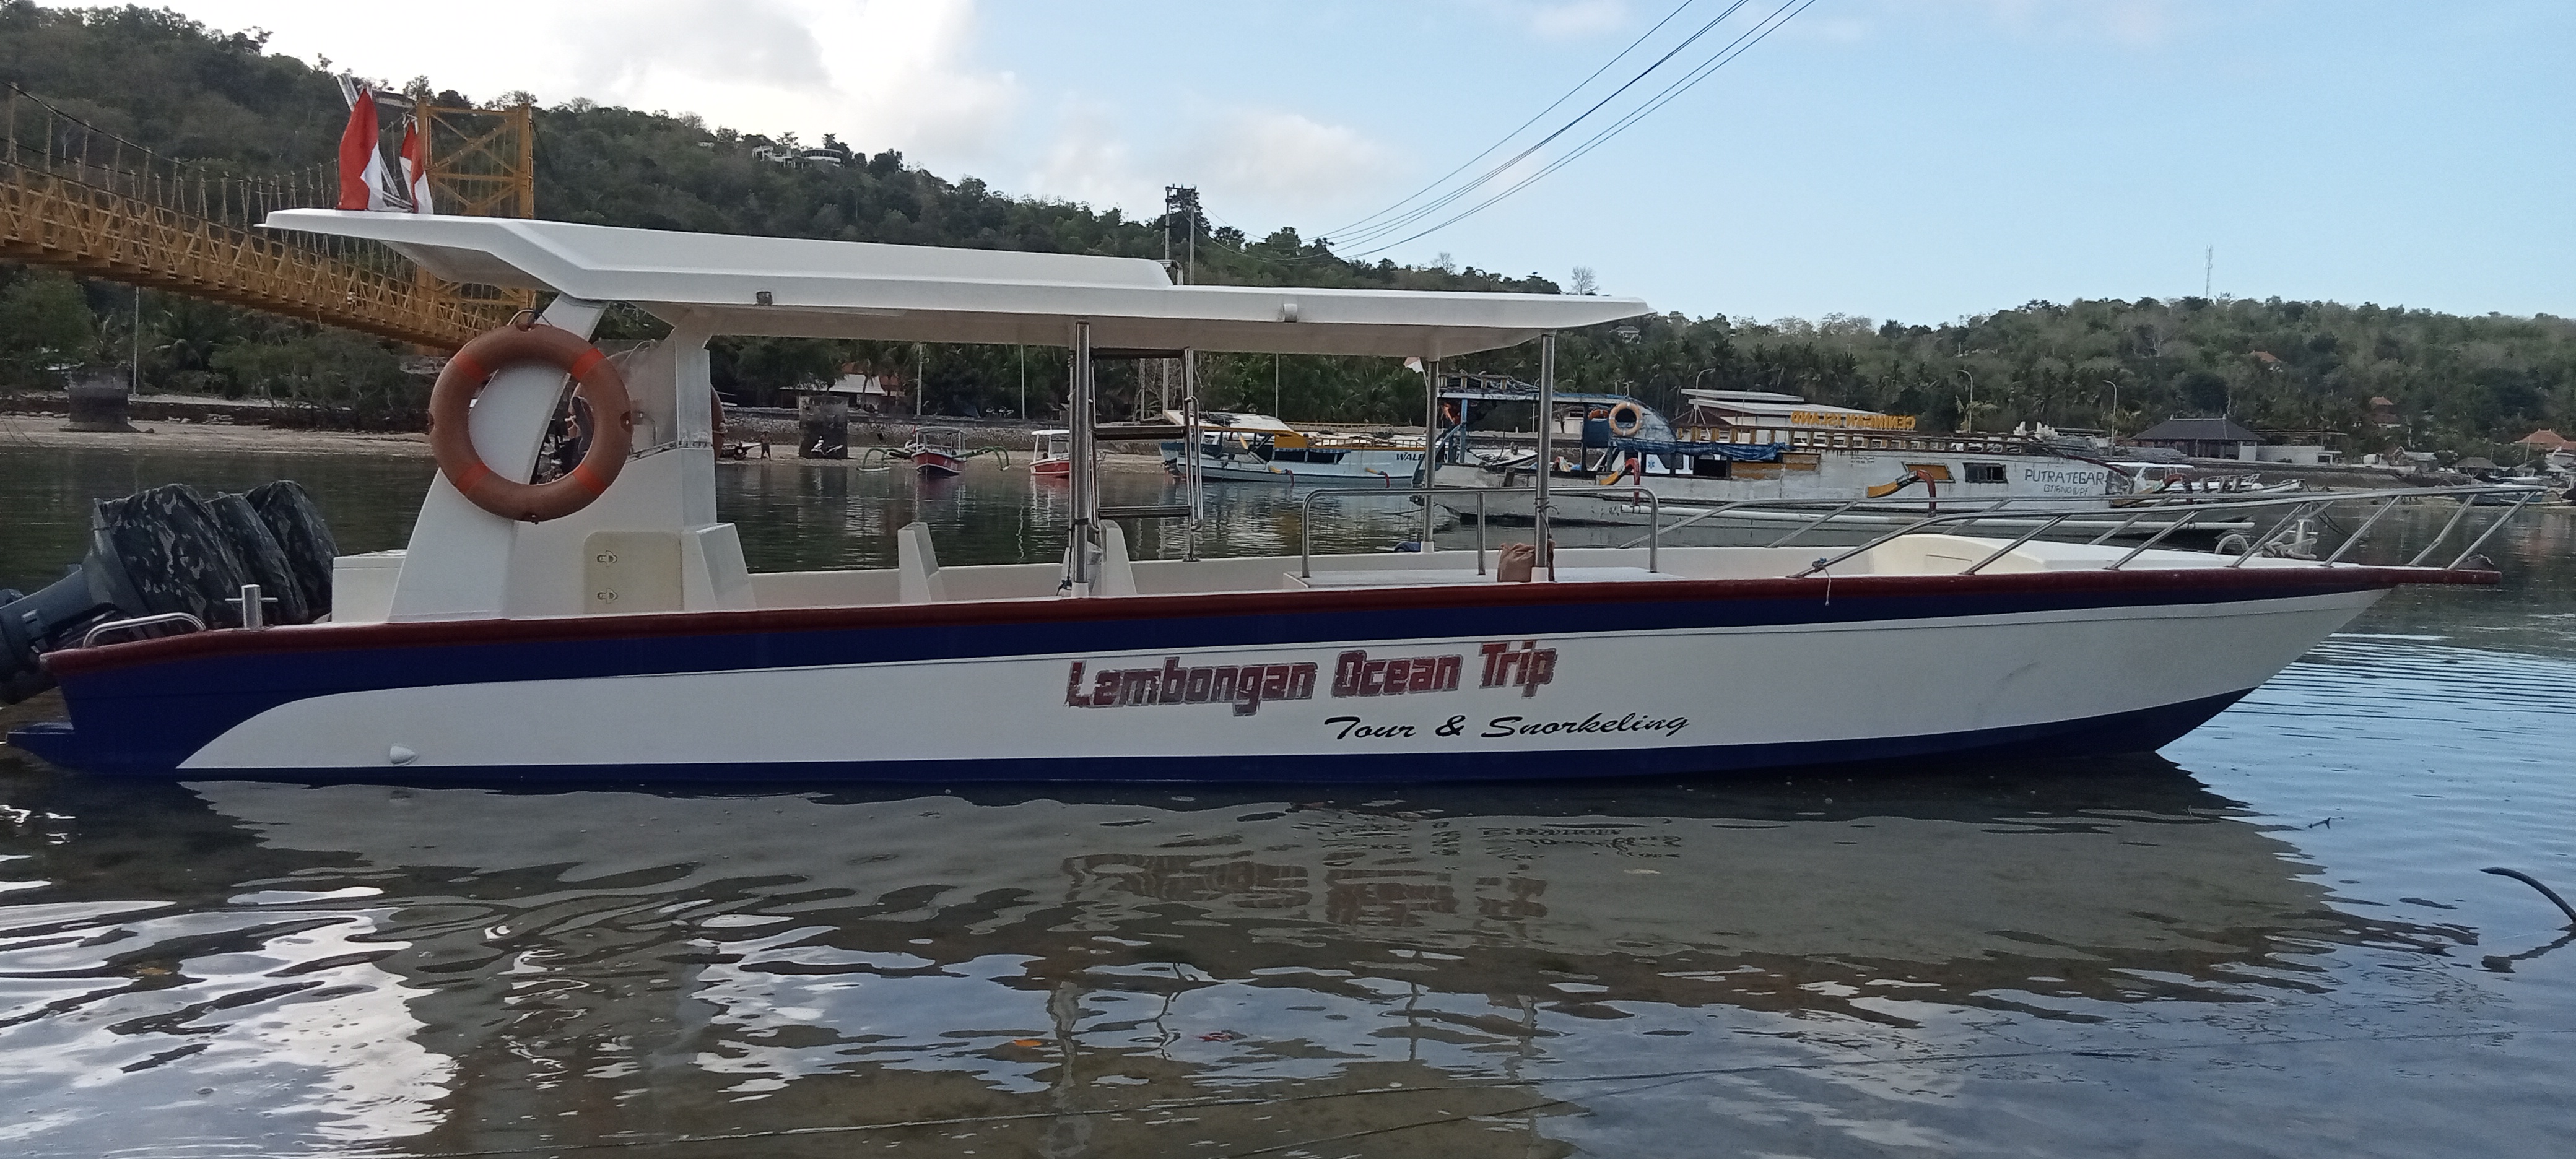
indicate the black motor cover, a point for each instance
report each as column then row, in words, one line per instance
column 170, row 549
column 305, row 537
column 268, row 563
column 168, row 552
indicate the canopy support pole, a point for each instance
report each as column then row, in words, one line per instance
column 1430, row 443
column 1085, row 476
column 1546, row 449
column 1191, row 491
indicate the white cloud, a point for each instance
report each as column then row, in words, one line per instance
column 1557, row 19
column 1564, row 19
column 2142, row 23
column 1087, row 161
column 881, row 73
column 899, row 74
column 1287, row 162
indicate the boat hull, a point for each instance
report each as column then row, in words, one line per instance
column 1366, row 466
column 1396, row 685
column 938, row 463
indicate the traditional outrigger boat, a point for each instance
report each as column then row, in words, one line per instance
column 604, row 624
column 937, row 452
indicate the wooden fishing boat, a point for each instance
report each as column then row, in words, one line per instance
column 937, row 452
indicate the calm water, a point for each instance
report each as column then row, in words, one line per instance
column 2270, row 939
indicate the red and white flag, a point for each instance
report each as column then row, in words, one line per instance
column 415, row 164
column 362, row 159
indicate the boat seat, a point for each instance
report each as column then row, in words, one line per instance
column 1116, row 575
column 916, row 566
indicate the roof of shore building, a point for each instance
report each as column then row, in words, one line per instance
column 2196, row 430
column 806, row 288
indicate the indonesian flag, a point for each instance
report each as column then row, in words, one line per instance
column 362, row 162
column 415, row 164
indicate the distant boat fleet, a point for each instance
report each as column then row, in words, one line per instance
column 1728, row 447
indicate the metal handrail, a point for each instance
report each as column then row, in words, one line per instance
column 2008, row 548
column 2287, row 525
column 2049, row 517
column 1306, row 515
column 2528, row 494
column 2193, row 512
column 1972, row 509
column 89, row 639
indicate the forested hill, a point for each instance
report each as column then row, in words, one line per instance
column 2459, row 383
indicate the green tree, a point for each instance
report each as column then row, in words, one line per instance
column 45, row 326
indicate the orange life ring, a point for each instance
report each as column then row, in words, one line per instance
column 1626, row 419
column 596, row 382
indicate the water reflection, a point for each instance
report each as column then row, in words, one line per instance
column 464, row 968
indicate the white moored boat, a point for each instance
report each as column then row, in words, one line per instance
column 1734, row 447
column 1256, row 448
column 623, row 636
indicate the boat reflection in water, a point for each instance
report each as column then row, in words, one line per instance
column 474, row 969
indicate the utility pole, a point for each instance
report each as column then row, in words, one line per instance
column 1181, row 207
column 2208, row 268
column 1274, row 386
column 1023, row 353
column 920, row 360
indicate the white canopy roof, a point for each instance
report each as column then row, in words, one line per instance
column 836, row 289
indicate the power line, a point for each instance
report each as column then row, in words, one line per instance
column 1760, row 32
column 1523, row 126
column 1403, row 220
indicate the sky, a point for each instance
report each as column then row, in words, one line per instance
column 1918, row 160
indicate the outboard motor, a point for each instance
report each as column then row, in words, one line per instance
column 171, row 549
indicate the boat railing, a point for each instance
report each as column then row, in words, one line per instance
column 2044, row 514
column 91, row 638
column 2303, row 509
column 1306, row 518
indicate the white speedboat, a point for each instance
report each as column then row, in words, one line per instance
column 1255, row 448
column 604, row 624
column 1051, row 454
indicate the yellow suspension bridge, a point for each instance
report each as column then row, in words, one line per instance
column 80, row 199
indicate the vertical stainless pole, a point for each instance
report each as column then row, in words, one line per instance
column 1191, row 492
column 1546, row 448
column 1084, row 476
column 1430, row 441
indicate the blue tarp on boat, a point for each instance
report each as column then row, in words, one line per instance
column 1740, row 452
